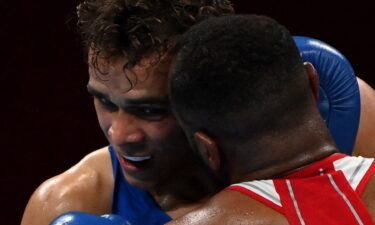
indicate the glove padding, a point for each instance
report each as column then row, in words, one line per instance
column 81, row 218
column 339, row 99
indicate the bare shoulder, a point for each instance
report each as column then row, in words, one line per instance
column 232, row 207
column 87, row 186
column 365, row 141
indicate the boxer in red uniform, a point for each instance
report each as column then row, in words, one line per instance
column 248, row 105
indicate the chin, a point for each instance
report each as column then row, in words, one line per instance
column 147, row 185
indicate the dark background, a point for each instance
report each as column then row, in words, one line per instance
column 47, row 119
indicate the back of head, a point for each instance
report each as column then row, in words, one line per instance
column 239, row 77
column 136, row 28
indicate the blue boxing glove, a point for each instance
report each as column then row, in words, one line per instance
column 81, row 218
column 339, row 99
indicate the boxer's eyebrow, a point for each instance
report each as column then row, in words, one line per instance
column 96, row 92
column 162, row 101
column 148, row 101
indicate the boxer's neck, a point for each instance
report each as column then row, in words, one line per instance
column 187, row 190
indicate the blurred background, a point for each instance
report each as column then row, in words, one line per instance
column 47, row 119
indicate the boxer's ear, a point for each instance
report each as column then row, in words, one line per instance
column 313, row 79
column 208, row 149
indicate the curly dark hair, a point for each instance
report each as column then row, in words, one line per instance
column 137, row 28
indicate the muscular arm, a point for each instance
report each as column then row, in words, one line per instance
column 87, row 187
column 365, row 141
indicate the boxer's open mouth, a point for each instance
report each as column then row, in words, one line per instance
column 137, row 158
column 135, row 163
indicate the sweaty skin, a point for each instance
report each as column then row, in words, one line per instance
column 87, row 186
column 138, row 123
column 231, row 207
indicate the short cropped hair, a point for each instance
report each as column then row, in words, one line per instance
column 238, row 77
column 137, row 28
